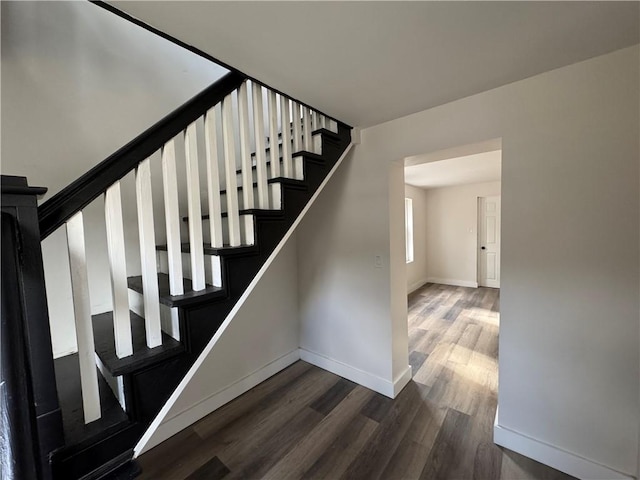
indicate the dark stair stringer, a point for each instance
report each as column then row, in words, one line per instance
column 152, row 376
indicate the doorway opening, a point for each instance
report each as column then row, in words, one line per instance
column 453, row 279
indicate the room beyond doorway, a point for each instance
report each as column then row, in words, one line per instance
column 455, row 233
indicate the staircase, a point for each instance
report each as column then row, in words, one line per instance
column 262, row 156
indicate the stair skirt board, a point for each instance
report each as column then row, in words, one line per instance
column 160, row 417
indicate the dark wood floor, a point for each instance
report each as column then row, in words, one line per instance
column 306, row 423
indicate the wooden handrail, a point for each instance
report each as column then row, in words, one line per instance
column 77, row 195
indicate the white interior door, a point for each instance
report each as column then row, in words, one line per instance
column 489, row 241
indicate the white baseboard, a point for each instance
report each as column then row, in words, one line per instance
column 401, row 381
column 366, row 379
column 204, row 407
column 416, row 285
column 452, row 281
column 553, row 456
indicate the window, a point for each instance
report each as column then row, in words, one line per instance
column 408, row 225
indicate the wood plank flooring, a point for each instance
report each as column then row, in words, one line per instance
column 306, row 423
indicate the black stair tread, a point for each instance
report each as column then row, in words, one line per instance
column 240, row 187
column 222, row 251
column 189, row 297
column 76, row 432
column 327, row 132
column 291, row 182
column 258, row 212
column 314, row 157
column 142, row 357
column 317, row 131
column 301, row 153
column 284, row 180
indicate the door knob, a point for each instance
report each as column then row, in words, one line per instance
column 483, row 248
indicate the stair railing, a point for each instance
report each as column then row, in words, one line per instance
column 232, row 113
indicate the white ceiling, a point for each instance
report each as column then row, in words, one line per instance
column 475, row 168
column 369, row 62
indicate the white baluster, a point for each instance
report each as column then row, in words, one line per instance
column 273, row 134
column 233, row 216
column 286, row 137
column 245, row 147
column 213, row 178
column 146, row 232
column 315, row 121
column 261, row 163
column 82, row 314
column 213, row 187
column 196, row 245
column 172, row 218
column 297, row 127
column 308, row 143
column 118, row 270
column 323, row 121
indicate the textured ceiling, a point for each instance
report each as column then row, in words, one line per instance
column 370, row 62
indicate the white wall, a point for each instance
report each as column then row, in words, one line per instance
column 417, row 271
column 451, row 217
column 261, row 340
column 570, row 235
column 77, row 84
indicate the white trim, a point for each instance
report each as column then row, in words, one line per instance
column 402, row 380
column 194, row 368
column 416, row 285
column 452, row 281
column 204, row 407
column 366, row 379
column 552, row 456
